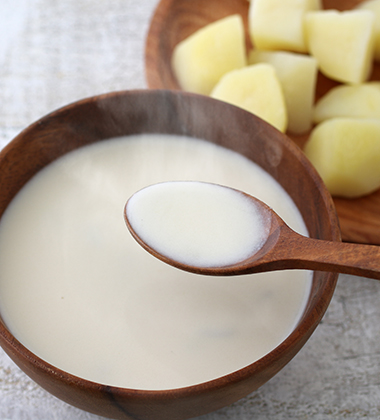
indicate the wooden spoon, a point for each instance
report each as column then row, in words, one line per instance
column 282, row 249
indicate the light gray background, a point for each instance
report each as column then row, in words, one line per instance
column 53, row 52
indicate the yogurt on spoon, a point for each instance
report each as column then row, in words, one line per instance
column 197, row 223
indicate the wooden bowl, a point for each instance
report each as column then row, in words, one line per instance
column 122, row 113
column 175, row 20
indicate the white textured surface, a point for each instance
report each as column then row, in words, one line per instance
column 55, row 52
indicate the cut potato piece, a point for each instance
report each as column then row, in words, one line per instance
column 200, row 60
column 279, row 24
column 357, row 101
column 346, row 153
column 298, row 76
column 256, row 89
column 374, row 6
column 342, row 42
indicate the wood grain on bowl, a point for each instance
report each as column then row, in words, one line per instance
column 123, row 113
column 174, row 20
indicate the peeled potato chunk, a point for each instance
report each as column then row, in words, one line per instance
column 256, row 89
column 346, row 153
column 374, row 6
column 342, row 42
column 278, row 24
column 204, row 57
column 298, row 76
column 357, row 101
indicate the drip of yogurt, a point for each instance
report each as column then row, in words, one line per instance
column 197, row 223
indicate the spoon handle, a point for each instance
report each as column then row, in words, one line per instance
column 342, row 257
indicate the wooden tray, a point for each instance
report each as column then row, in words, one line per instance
column 175, row 20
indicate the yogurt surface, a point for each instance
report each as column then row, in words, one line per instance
column 77, row 290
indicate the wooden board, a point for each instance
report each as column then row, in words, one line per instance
column 174, row 20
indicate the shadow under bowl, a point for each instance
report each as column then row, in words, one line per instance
column 162, row 111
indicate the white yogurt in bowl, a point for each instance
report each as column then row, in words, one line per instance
column 79, row 292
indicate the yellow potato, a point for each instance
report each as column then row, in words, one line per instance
column 278, row 24
column 202, row 59
column 357, row 101
column 374, row 6
column 256, row 89
column 342, row 42
column 298, row 76
column 346, row 153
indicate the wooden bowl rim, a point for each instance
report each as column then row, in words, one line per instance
column 16, row 349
